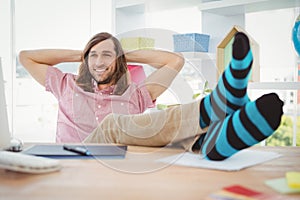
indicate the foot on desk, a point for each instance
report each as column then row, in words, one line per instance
column 249, row 125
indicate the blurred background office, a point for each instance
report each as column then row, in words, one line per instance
column 32, row 24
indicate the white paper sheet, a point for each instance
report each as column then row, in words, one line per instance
column 238, row 161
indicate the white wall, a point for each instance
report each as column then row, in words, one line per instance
column 185, row 20
column 6, row 53
column 218, row 26
column 273, row 30
column 60, row 23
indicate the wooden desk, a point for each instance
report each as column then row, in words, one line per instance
column 138, row 176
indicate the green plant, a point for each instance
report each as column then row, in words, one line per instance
column 283, row 136
column 206, row 90
column 164, row 106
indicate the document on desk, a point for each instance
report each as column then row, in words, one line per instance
column 100, row 151
column 238, row 161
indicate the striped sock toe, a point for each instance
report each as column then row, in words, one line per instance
column 249, row 125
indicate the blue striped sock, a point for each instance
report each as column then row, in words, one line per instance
column 231, row 91
column 247, row 126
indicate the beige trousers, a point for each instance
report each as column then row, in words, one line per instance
column 176, row 125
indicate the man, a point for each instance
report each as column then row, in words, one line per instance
column 102, row 85
column 219, row 125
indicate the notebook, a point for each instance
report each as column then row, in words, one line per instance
column 99, row 151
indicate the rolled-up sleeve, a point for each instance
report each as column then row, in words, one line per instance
column 56, row 81
column 145, row 98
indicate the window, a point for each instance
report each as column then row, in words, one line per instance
column 49, row 24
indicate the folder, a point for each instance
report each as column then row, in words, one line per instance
column 57, row 151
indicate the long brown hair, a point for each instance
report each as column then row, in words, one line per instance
column 120, row 77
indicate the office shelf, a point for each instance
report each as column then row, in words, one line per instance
column 275, row 85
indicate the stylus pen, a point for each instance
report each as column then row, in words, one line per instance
column 76, row 149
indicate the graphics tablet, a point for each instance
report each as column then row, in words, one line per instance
column 101, row 151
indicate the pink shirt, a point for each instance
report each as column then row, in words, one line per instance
column 80, row 112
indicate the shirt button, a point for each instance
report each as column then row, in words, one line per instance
column 122, row 104
column 99, row 106
column 76, row 94
column 97, row 118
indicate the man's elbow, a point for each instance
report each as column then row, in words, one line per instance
column 179, row 61
column 24, row 58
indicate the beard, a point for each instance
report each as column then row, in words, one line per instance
column 107, row 80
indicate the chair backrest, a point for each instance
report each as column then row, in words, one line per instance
column 137, row 73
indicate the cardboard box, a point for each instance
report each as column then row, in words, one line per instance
column 135, row 43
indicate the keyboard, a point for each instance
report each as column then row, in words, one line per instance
column 24, row 163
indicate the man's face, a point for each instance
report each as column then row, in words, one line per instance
column 102, row 61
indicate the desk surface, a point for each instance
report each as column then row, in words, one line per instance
column 138, row 176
